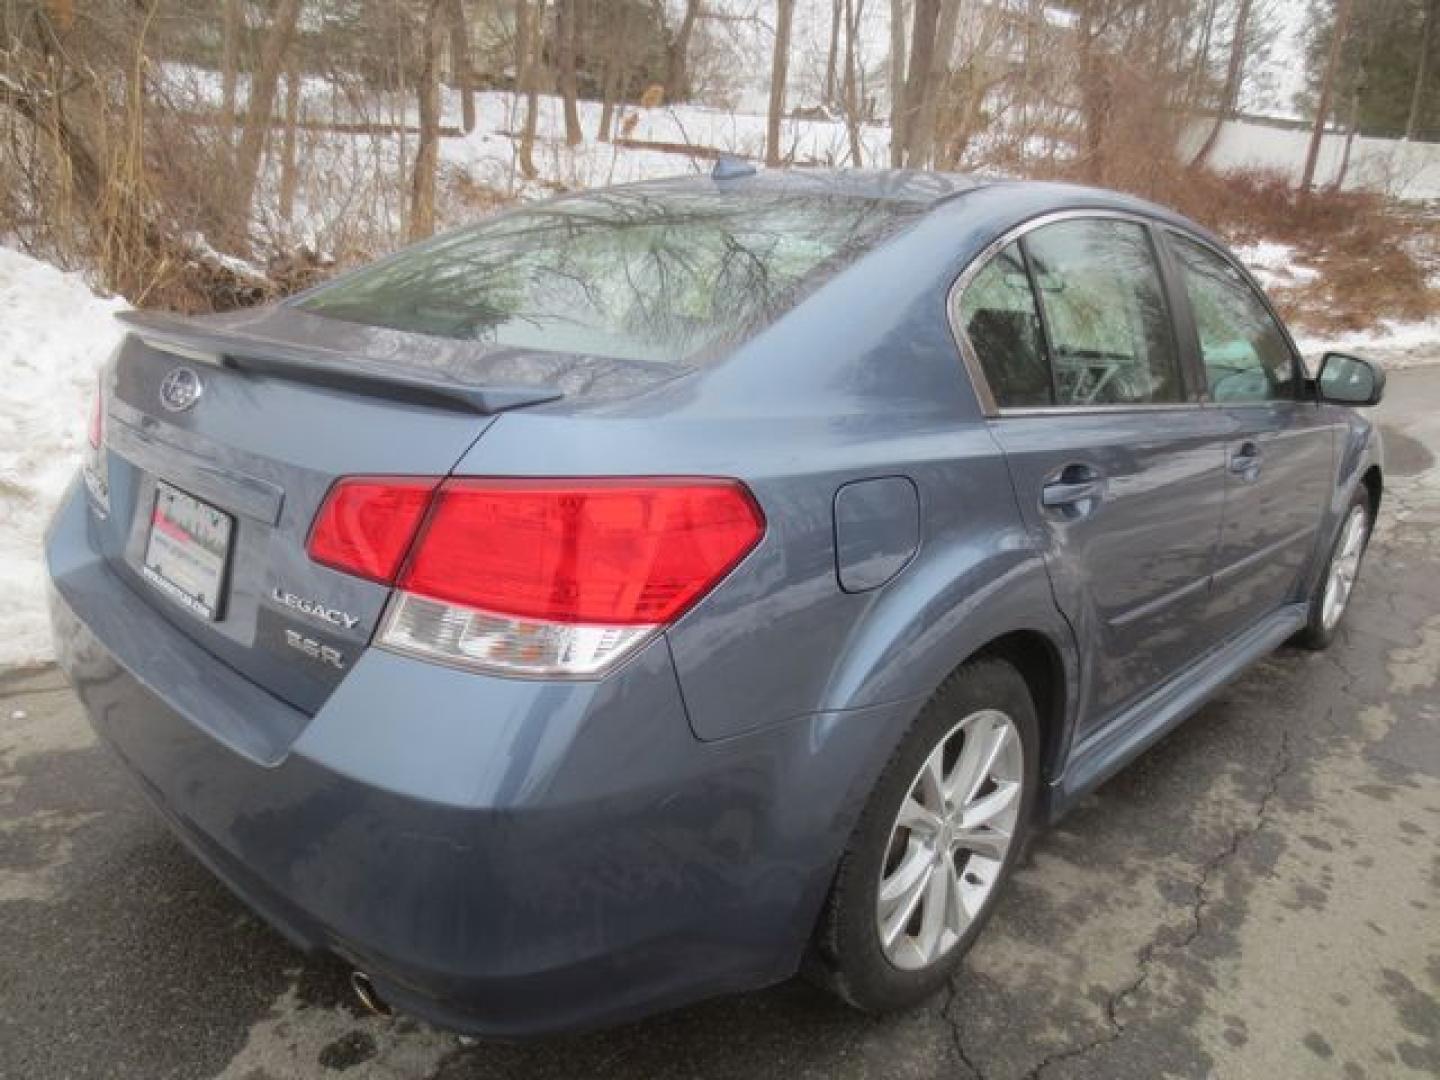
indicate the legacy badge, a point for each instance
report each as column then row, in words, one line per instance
column 315, row 609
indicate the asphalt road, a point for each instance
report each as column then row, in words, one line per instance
column 1259, row 896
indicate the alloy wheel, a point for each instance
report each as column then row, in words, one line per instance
column 950, row 839
column 1344, row 568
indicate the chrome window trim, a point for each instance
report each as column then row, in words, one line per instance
column 1105, row 410
column 968, row 356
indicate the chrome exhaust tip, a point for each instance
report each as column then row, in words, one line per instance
column 367, row 994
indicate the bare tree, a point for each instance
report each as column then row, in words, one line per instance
column 260, row 115
column 779, row 70
column 1422, row 68
column 1200, row 65
column 1327, row 90
column 293, row 88
column 615, row 64
column 460, row 65
column 1096, row 92
column 832, row 58
column 677, row 54
column 897, row 80
column 530, row 42
column 229, row 62
column 1234, row 73
column 921, row 136
column 853, row 90
column 917, row 79
column 565, row 31
column 427, row 152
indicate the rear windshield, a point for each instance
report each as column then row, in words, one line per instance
column 628, row 274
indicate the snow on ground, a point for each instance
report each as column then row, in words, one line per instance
column 1395, row 344
column 488, row 153
column 54, row 335
column 1274, row 265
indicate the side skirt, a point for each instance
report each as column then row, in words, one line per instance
column 1105, row 752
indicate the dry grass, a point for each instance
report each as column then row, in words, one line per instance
column 1374, row 259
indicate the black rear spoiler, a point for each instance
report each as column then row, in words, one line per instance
column 206, row 344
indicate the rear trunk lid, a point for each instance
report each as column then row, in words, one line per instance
column 223, row 436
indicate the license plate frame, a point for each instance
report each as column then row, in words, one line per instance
column 187, row 551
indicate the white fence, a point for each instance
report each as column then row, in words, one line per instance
column 1404, row 170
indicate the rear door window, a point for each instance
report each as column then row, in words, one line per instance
column 999, row 316
column 1112, row 341
column 1247, row 358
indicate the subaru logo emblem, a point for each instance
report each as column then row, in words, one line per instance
column 180, row 389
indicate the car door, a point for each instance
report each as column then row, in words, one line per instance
column 1118, row 469
column 1279, row 456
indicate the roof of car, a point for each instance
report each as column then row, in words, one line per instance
column 914, row 187
column 900, row 185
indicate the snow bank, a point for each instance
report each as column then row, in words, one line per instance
column 54, row 335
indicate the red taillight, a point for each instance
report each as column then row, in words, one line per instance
column 596, row 552
column 367, row 522
column 551, row 578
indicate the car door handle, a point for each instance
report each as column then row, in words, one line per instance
column 1074, row 486
column 1245, row 462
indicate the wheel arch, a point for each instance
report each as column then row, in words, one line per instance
column 1374, row 482
column 1039, row 662
column 926, row 625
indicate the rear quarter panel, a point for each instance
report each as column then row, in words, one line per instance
column 862, row 380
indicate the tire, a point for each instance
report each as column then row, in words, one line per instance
column 968, row 712
column 1322, row 622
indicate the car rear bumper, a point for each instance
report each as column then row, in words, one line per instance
column 500, row 856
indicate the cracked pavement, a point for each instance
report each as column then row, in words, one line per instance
column 1257, row 896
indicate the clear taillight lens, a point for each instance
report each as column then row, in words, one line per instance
column 546, row 577
column 97, row 415
column 504, row 644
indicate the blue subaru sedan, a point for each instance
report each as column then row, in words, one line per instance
column 660, row 591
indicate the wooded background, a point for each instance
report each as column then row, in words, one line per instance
column 184, row 151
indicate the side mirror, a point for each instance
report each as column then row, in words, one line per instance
column 1349, row 380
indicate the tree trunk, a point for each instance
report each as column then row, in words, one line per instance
column 534, row 37
column 1234, row 73
column 1422, row 69
column 1033, row 13
column 897, row 82
column 832, row 58
column 779, row 69
column 293, row 87
column 565, row 30
column 1354, row 125
column 427, row 152
column 1327, row 91
column 1200, row 67
column 460, row 63
column 1095, row 95
column 616, row 71
column 263, row 85
column 854, row 12
column 229, row 62
column 918, row 79
column 938, row 86
column 522, row 43
column 677, row 55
